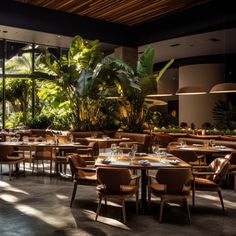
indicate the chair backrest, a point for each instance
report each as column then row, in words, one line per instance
column 113, row 178
column 232, row 158
column 220, row 166
column 95, row 148
column 83, row 141
column 75, row 161
column 5, row 151
column 174, row 179
column 44, row 152
column 185, row 155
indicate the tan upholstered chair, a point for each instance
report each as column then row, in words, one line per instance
column 232, row 168
column 209, row 178
column 81, row 173
column 43, row 153
column 8, row 156
column 115, row 184
column 171, row 184
column 188, row 156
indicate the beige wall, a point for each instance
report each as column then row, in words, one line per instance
column 197, row 109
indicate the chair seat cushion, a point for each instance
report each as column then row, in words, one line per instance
column 203, row 183
column 159, row 189
column 232, row 167
column 11, row 159
column 124, row 189
column 85, row 175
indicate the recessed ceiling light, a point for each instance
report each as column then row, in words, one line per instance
column 174, row 45
column 214, row 39
column 59, row 36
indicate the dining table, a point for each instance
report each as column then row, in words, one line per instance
column 204, row 149
column 143, row 162
column 30, row 146
column 105, row 142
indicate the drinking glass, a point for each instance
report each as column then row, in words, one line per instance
column 134, row 148
column 212, row 142
column 17, row 137
column 155, row 149
column 131, row 157
column 113, row 148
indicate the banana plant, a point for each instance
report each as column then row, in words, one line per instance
column 85, row 76
column 134, row 105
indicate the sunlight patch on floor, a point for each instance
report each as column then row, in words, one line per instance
column 53, row 220
column 8, row 198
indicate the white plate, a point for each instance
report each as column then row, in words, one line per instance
column 174, row 162
column 144, row 162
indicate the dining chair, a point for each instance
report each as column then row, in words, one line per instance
column 171, row 184
column 10, row 157
column 82, row 174
column 209, row 178
column 232, row 168
column 188, row 156
column 43, row 153
column 115, row 184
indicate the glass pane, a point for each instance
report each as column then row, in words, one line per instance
column 18, row 102
column 1, row 64
column 18, row 58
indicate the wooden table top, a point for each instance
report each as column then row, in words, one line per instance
column 154, row 162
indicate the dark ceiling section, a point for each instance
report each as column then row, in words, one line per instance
column 214, row 15
column 30, row 17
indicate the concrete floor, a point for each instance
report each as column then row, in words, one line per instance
column 39, row 205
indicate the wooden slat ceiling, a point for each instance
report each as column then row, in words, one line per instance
column 127, row 12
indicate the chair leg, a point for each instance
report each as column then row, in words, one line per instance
column 221, row 201
column 187, row 208
column 73, row 193
column 10, row 170
column 33, row 167
column 43, row 166
column 124, row 211
column 161, row 210
column 149, row 194
column 137, row 203
column 98, row 207
column 193, row 196
column 234, row 182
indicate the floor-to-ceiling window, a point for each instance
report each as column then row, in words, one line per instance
column 20, row 94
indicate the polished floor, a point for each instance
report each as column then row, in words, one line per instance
column 39, row 205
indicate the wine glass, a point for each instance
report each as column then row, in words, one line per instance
column 134, row 148
column 17, row 137
column 155, row 149
column 212, row 142
column 113, row 148
column 131, row 157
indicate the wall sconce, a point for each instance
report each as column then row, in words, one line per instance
column 190, row 90
column 224, row 88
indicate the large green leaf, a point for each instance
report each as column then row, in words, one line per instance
column 145, row 62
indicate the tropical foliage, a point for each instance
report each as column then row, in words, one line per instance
column 225, row 115
column 71, row 92
column 84, row 77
